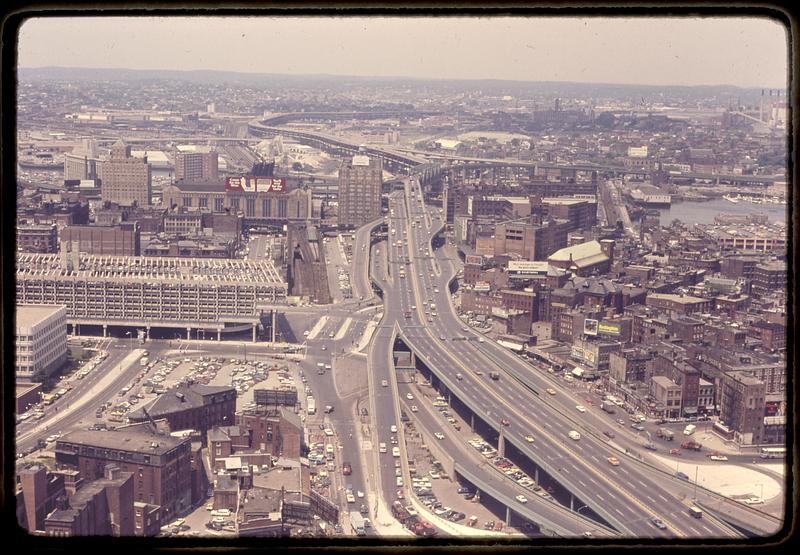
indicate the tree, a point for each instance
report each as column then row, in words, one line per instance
column 297, row 166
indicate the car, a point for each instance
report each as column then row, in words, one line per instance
column 324, row 348
column 521, row 498
column 718, row 458
column 439, row 435
column 393, row 428
column 620, row 421
column 574, row 435
column 551, row 391
column 580, row 408
column 328, row 432
column 637, row 426
column 613, row 461
column 675, row 451
column 409, row 396
column 442, row 337
column 658, row 523
column 384, row 383
column 682, row 476
column 529, row 439
column 462, row 490
column 754, row 501
column 505, row 422
column 399, row 494
column 609, row 434
column 414, row 408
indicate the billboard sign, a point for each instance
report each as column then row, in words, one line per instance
column 590, row 327
column 606, row 328
column 250, row 184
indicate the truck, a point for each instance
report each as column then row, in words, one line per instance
column 666, row 434
column 689, row 444
column 689, row 429
column 608, row 407
column 357, row 523
column 494, row 375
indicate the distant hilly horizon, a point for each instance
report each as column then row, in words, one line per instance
column 217, row 76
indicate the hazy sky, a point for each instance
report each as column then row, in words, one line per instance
column 739, row 51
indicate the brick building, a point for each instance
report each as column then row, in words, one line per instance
column 37, row 237
column 122, row 239
column 742, row 407
column 102, row 507
column 161, row 465
column 194, row 407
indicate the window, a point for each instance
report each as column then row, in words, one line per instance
column 235, row 203
column 202, row 202
column 187, row 201
column 219, row 203
column 250, row 207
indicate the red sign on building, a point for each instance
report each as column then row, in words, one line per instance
column 250, row 184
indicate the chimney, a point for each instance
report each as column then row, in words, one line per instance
column 111, row 472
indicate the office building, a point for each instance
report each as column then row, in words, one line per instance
column 125, row 180
column 360, row 190
column 41, row 339
column 199, row 165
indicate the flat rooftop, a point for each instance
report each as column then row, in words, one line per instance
column 153, row 269
column 29, row 315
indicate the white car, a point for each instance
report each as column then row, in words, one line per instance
column 409, row 397
column 360, row 494
column 393, row 429
column 580, row 408
column 529, row 439
column 439, row 435
column 574, row 435
column 521, row 499
column 384, row 383
column 414, row 408
column 328, row 432
column 754, row 501
column 718, row 458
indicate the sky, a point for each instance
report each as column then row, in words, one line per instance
column 740, row 51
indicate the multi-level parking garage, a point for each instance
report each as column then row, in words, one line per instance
column 215, row 296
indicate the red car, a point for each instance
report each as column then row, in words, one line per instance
column 674, row 451
column 505, row 422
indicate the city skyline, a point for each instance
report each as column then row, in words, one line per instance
column 644, row 51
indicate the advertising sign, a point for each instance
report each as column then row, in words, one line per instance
column 590, row 327
column 250, row 184
column 609, row 329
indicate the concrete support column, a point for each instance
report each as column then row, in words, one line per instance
column 74, row 328
column 274, row 326
column 571, row 502
column 219, row 334
column 536, row 475
column 508, row 516
column 472, row 422
column 147, row 332
column 501, row 445
column 254, row 333
column 188, row 333
column 105, row 330
column 449, row 400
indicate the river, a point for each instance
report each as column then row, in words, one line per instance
column 704, row 212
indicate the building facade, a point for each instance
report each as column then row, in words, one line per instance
column 41, row 339
column 118, row 240
column 160, row 464
column 141, row 291
column 125, row 180
column 196, row 166
column 360, row 182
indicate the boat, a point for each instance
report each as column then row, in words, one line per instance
column 731, row 198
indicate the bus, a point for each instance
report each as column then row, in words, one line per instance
column 773, row 452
